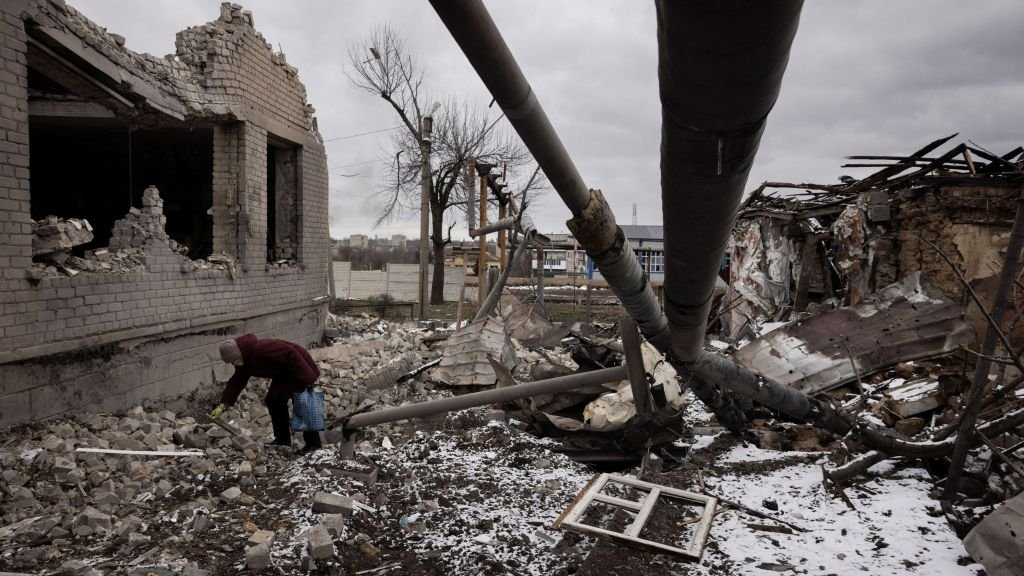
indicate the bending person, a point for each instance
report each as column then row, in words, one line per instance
column 290, row 369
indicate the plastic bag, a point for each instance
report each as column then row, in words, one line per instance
column 308, row 410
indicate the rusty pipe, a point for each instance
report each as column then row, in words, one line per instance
column 495, row 396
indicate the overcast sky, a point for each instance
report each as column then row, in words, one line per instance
column 868, row 77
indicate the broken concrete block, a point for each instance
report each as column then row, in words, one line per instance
column 334, row 523
column 262, row 537
column 61, row 466
column 332, row 504
column 135, row 539
column 257, row 557
column 201, row 522
column 93, row 518
column 231, row 494
column 53, row 234
column 194, row 440
column 320, row 544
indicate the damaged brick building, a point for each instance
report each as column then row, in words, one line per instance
column 800, row 246
column 148, row 208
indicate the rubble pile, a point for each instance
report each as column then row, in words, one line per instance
column 127, row 250
column 140, row 226
column 53, row 237
column 52, row 240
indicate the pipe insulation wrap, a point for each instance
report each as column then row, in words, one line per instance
column 720, row 68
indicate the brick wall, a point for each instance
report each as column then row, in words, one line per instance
column 111, row 340
column 944, row 216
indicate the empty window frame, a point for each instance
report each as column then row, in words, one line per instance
column 639, row 501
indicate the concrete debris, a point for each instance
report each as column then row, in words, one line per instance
column 464, row 361
column 53, row 237
column 326, row 503
column 135, row 240
column 262, row 537
column 321, row 546
column 258, row 557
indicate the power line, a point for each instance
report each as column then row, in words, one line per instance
column 353, row 164
column 361, row 134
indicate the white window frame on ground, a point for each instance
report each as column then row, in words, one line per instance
column 572, row 516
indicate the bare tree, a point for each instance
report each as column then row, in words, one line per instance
column 382, row 65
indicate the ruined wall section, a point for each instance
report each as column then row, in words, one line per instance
column 970, row 225
column 314, row 224
column 169, row 85
column 238, row 66
column 111, row 339
column 15, row 223
column 228, row 179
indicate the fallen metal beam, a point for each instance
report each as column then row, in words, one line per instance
column 496, row 396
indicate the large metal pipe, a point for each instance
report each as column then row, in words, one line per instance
column 593, row 223
column 714, row 152
column 777, row 396
column 720, row 69
column 495, row 396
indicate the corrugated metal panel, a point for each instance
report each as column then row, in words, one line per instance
column 904, row 321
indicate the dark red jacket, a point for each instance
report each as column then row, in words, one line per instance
column 290, row 368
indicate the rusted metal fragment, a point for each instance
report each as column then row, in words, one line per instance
column 465, row 358
column 904, row 321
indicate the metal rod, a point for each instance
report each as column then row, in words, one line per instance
column 503, row 224
column 481, row 257
column 495, row 294
column 635, row 365
column 496, row 396
column 473, row 29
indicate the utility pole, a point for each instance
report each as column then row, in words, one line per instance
column 426, row 126
column 502, row 213
column 481, row 262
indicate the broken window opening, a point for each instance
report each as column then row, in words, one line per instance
column 97, row 169
column 282, row 201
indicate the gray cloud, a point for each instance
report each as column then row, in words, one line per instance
column 864, row 77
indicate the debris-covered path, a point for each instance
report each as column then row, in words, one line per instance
column 458, row 495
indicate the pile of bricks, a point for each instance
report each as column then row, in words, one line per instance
column 140, row 226
column 54, row 237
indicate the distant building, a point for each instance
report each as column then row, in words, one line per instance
column 398, row 241
column 648, row 243
column 563, row 257
column 359, row 241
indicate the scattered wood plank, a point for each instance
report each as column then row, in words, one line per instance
column 142, row 452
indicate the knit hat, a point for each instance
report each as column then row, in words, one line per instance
column 229, row 351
